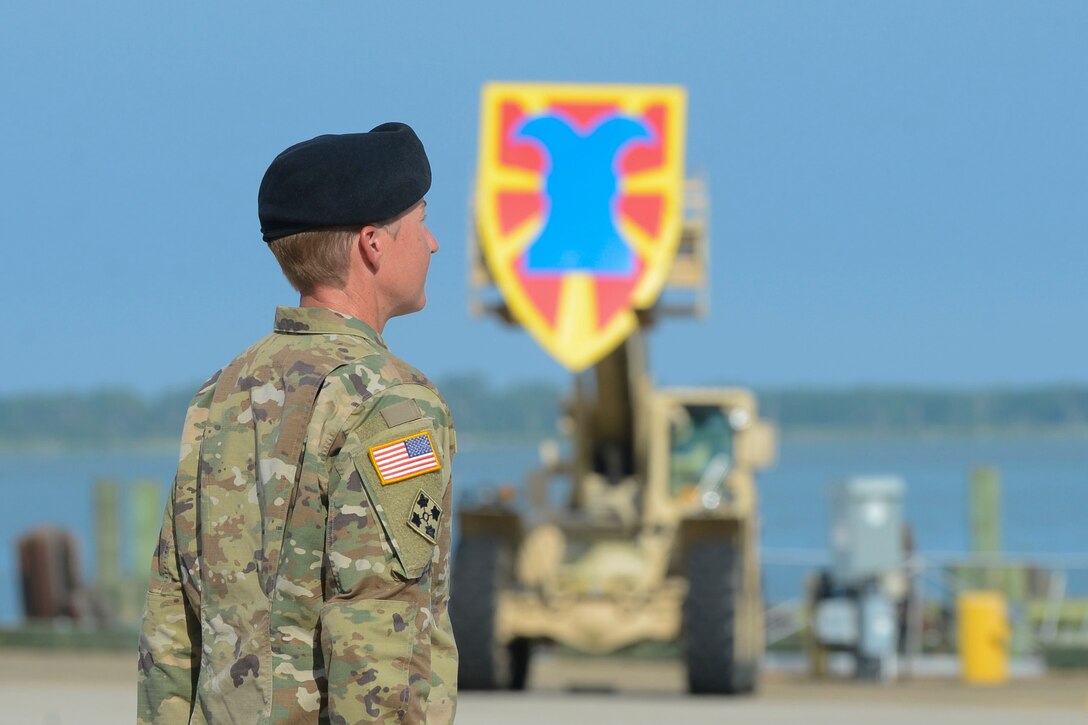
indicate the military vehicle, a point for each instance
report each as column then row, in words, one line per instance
column 657, row 540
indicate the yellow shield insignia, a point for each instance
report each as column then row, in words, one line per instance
column 579, row 207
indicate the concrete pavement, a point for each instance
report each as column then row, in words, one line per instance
column 43, row 688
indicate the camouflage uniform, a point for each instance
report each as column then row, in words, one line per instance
column 295, row 580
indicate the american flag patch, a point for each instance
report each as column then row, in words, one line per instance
column 404, row 458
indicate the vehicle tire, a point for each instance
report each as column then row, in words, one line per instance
column 520, row 653
column 482, row 567
column 713, row 570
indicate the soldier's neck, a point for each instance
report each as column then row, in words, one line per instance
column 356, row 303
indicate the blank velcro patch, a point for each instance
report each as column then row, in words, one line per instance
column 404, row 458
column 402, row 412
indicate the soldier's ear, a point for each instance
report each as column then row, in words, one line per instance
column 369, row 245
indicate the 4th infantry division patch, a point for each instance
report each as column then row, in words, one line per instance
column 404, row 458
column 425, row 517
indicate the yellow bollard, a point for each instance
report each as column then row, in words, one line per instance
column 983, row 637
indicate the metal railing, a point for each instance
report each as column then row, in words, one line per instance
column 1049, row 606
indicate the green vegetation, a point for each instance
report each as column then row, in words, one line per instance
column 527, row 411
column 903, row 411
column 99, row 418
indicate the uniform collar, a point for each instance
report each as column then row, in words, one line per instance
column 322, row 321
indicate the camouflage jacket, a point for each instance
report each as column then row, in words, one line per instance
column 302, row 573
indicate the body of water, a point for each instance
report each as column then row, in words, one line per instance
column 1044, row 486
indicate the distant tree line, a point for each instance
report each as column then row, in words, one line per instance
column 103, row 417
column 880, row 411
column 114, row 417
column 527, row 411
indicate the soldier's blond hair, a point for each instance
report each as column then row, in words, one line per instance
column 317, row 258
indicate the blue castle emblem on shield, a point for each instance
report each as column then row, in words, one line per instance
column 580, row 233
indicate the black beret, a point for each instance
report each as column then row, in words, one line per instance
column 343, row 180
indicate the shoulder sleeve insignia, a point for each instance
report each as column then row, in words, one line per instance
column 426, row 516
column 404, row 458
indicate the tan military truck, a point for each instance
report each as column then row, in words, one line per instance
column 658, row 538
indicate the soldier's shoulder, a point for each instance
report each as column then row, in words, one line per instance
column 202, row 398
column 379, row 373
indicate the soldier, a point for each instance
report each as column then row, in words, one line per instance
column 302, row 573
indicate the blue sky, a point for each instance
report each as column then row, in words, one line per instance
column 898, row 189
